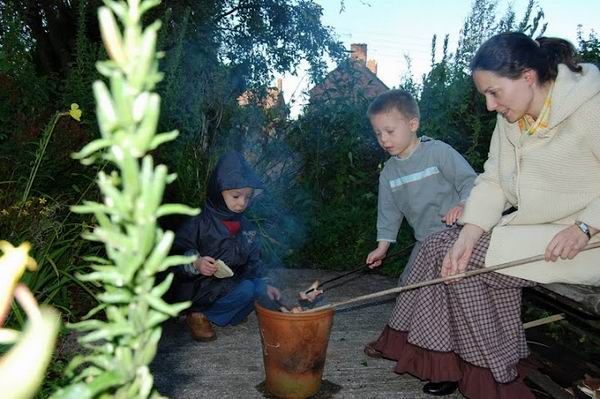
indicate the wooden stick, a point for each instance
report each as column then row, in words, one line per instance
column 543, row 320
column 506, row 265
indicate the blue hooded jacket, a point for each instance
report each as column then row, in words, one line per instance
column 207, row 235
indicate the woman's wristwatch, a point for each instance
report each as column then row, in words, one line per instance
column 584, row 228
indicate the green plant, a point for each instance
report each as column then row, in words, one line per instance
column 82, row 71
column 119, row 348
column 589, row 49
column 31, row 349
column 24, row 93
column 336, row 190
column 45, row 222
column 57, row 245
column 55, row 234
column 75, row 113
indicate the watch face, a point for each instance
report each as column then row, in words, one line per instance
column 583, row 227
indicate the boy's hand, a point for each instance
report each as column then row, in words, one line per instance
column 453, row 215
column 205, row 265
column 273, row 293
column 376, row 256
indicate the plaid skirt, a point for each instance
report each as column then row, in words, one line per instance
column 477, row 318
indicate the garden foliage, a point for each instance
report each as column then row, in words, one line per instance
column 121, row 341
column 321, row 169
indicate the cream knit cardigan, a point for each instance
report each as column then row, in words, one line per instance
column 552, row 178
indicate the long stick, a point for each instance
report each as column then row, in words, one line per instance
column 543, row 320
column 362, row 267
column 506, row 265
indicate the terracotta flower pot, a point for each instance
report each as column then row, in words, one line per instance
column 294, row 349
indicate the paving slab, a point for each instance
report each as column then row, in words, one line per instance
column 232, row 366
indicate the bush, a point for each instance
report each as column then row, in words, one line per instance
column 336, row 191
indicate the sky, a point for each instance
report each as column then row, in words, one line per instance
column 393, row 28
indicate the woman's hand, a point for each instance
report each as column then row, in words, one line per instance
column 273, row 293
column 205, row 265
column 453, row 215
column 376, row 256
column 567, row 243
column 458, row 256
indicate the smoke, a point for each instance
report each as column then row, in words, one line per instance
column 283, row 212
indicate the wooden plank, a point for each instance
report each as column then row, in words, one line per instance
column 547, row 385
column 584, row 299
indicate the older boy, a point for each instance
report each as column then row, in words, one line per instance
column 425, row 181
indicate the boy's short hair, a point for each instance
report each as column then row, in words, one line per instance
column 400, row 100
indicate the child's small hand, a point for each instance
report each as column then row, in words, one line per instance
column 375, row 257
column 273, row 293
column 453, row 215
column 205, row 265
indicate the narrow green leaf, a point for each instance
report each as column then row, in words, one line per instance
column 162, row 138
column 160, row 252
column 176, row 209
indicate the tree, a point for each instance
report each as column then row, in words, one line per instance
column 482, row 23
column 259, row 36
column 589, row 49
column 451, row 108
column 234, row 45
column 52, row 28
column 215, row 51
column 407, row 80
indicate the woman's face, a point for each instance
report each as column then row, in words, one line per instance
column 511, row 98
column 237, row 199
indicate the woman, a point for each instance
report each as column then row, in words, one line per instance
column 544, row 160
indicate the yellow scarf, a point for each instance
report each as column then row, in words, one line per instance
column 530, row 126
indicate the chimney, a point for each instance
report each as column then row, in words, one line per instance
column 372, row 65
column 358, row 52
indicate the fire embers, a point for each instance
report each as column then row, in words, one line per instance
column 295, row 309
column 283, row 308
column 306, row 301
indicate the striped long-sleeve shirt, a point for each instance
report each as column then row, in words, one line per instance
column 422, row 188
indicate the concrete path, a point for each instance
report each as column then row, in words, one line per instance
column 232, row 366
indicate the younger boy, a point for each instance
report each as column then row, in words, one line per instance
column 425, row 181
column 222, row 232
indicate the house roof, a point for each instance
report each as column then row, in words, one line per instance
column 351, row 78
column 272, row 99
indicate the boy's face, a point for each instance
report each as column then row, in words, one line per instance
column 237, row 199
column 395, row 133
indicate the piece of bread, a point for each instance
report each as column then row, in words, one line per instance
column 223, row 271
column 311, row 292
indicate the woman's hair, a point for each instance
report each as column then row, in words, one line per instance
column 509, row 54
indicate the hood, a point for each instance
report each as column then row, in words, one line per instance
column 572, row 90
column 232, row 171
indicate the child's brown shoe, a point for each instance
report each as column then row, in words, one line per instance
column 200, row 327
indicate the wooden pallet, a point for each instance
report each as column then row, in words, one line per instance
column 561, row 368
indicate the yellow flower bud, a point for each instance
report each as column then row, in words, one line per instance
column 75, row 112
